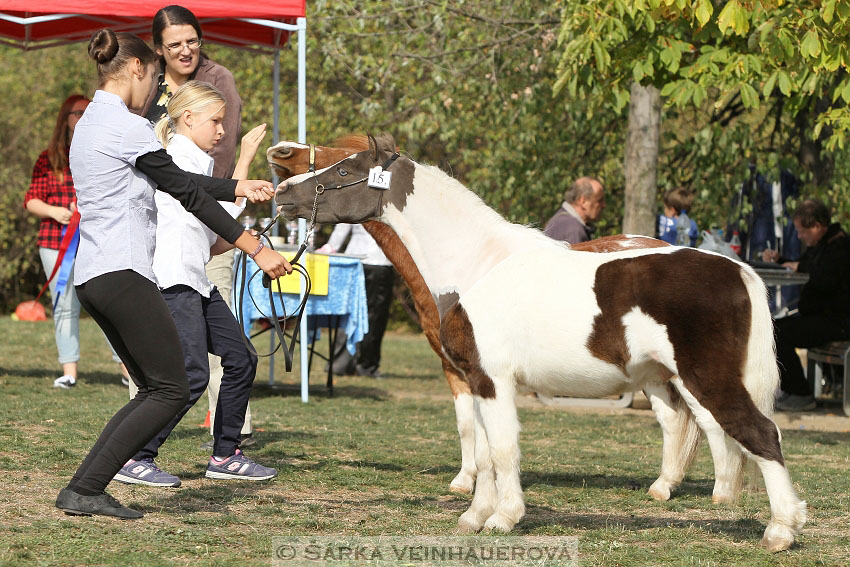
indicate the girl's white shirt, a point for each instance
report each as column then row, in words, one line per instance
column 182, row 241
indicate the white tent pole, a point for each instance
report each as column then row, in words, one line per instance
column 275, row 139
column 302, row 224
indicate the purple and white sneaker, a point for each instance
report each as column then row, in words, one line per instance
column 145, row 472
column 239, row 467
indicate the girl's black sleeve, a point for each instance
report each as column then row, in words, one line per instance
column 197, row 193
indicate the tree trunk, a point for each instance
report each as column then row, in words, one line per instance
column 641, row 160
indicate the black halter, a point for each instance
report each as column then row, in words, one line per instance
column 386, row 165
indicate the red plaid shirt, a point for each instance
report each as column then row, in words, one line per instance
column 48, row 188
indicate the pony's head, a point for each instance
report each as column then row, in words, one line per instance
column 344, row 193
column 292, row 158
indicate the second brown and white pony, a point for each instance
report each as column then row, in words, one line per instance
column 570, row 323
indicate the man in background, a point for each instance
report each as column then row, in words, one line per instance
column 583, row 204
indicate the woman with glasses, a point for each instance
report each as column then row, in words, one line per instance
column 177, row 39
column 51, row 197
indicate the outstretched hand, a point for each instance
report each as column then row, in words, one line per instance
column 256, row 190
column 251, row 141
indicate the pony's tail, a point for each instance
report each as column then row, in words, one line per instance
column 761, row 374
column 688, row 430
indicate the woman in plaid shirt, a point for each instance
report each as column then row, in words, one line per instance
column 51, row 197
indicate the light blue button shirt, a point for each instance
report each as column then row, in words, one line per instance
column 115, row 200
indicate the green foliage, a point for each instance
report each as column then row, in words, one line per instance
column 761, row 83
column 30, row 102
column 683, row 47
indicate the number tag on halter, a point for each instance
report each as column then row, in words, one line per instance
column 378, row 178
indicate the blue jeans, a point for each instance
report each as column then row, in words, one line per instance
column 66, row 315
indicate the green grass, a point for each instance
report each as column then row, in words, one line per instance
column 375, row 459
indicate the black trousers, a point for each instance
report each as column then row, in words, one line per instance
column 206, row 325
column 132, row 314
column 379, row 295
column 803, row 332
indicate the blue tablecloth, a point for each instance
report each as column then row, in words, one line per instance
column 346, row 298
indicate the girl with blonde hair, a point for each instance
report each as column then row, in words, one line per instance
column 190, row 129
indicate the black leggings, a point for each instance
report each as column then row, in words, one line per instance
column 134, row 317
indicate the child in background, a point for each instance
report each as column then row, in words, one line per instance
column 189, row 131
column 675, row 201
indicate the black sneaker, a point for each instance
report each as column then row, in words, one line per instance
column 75, row 504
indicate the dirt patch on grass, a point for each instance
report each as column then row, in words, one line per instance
column 828, row 418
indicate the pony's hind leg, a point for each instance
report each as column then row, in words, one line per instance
column 484, row 500
column 759, row 437
column 501, row 422
column 680, row 438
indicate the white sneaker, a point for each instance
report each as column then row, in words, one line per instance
column 65, row 382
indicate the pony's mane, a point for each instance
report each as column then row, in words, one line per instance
column 357, row 142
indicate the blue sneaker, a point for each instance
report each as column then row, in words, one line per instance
column 145, row 472
column 240, row 467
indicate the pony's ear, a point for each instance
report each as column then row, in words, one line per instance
column 385, row 142
column 373, row 147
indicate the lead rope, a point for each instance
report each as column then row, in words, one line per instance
column 289, row 352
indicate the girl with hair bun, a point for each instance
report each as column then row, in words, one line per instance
column 191, row 128
column 117, row 164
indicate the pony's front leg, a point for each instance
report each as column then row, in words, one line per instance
column 501, row 423
column 464, row 482
column 484, row 501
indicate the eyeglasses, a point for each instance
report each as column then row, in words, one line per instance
column 193, row 44
column 77, row 113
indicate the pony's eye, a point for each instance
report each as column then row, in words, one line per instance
column 342, row 172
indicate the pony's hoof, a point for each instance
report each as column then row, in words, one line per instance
column 776, row 545
column 722, row 499
column 499, row 523
column 659, row 491
column 463, row 483
column 468, row 523
column 777, row 538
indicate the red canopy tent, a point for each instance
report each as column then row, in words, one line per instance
column 261, row 25
column 33, row 25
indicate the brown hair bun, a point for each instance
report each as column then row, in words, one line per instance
column 103, row 46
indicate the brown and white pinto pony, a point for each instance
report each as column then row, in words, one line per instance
column 680, row 433
column 571, row 324
column 679, row 429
